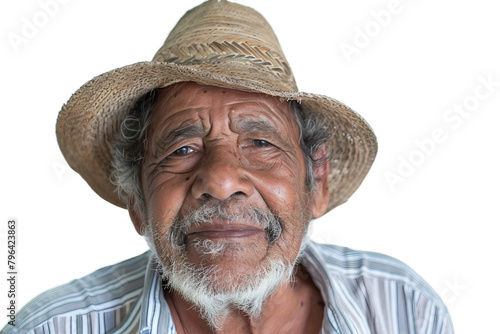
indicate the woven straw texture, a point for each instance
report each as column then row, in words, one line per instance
column 220, row 44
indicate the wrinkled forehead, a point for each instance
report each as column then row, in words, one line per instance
column 185, row 92
column 185, row 101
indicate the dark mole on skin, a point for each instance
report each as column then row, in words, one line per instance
column 204, row 91
column 223, row 92
column 187, row 178
column 301, row 304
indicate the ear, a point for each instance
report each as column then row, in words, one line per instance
column 136, row 217
column 321, row 196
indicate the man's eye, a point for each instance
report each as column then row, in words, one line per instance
column 182, row 151
column 261, row 143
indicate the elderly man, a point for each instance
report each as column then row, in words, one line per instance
column 222, row 164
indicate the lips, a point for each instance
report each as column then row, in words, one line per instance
column 217, row 231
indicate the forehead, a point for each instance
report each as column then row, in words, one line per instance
column 185, row 92
column 188, row 101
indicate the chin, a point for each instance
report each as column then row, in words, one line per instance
column 216, row 290
column 221, row 275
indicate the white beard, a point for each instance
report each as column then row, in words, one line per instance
column 207, row 287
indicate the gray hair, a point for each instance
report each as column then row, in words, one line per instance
column 128, row 150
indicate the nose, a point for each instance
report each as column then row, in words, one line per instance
column 221, row 176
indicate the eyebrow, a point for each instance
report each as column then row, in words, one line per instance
column 264, row 126
column 177, row 134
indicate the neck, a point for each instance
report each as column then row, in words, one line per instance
column 292, row 308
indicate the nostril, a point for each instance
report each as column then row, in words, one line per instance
column 208, row 197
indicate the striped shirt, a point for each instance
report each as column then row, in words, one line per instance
column 363, row 292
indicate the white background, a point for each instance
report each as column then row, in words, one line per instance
column 441, row 220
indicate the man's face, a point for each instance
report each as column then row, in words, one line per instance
column 233, row 152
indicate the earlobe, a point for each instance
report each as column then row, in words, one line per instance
column 135, row 216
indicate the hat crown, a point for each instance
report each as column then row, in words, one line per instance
column 229, row 39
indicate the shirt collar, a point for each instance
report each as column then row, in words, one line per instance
column 155, row 313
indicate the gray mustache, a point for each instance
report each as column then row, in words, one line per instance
column 205, row 214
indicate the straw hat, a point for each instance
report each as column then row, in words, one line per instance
column 220, row 44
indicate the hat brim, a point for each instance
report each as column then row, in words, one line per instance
column 89, row 123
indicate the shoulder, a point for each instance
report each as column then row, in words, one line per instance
column 381, row 286
column 106, row 291
column 353, row 264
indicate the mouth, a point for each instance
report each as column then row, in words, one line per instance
column 224, row 231
column 215, row 224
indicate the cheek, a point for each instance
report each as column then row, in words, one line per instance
column 284, row 192
column 283, row 186
column 166, row 197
